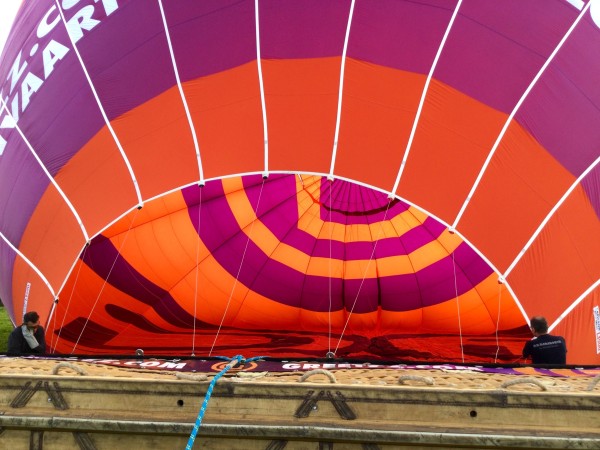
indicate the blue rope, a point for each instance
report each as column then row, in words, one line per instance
column 238, row 359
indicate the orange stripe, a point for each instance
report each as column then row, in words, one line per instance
column 97, row 182
column 570, row 246
column 378, row 109
column 309, row 213
column 300, row 134
column 53, row 239
column 518, row 189
column 227, row 115
column 454, row 137
column 157, row 139
column 262, row 236
column 160, row 241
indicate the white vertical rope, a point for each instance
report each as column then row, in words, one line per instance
column 341, row 91
column 101, row 108
column 513, row 113
column 239, row 269
column 197, row 273
column 380, row 233
column 105, row 281
column 50, row 177
column 330, row 256
column 70, row 295
column 181, row 93
column 423, row 96
column 52, row 318
column 498, row 322
column 263, row 103
column 462, row 351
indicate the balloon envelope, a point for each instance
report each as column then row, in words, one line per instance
column 390, row 179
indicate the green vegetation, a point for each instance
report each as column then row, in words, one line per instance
column 5, row 328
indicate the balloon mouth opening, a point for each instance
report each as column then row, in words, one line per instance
column 318, row 263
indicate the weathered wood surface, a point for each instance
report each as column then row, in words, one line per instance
column 69, row 410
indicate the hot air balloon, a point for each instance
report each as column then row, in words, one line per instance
column 381, row 180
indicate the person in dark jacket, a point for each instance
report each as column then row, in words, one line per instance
column 544, row 348
column 29, row 338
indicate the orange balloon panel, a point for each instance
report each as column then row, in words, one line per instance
column 581, row 330
column 158, row 141
column 454, row 139
column 227, row 117
column 521, row 181
column 569, row 245
column 301, row 137
column 378, row 110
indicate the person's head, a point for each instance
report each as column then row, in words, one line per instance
column 539, row 325
column 32, row 320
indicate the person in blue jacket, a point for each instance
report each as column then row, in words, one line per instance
column 544, row 348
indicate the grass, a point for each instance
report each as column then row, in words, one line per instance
column 5, row 328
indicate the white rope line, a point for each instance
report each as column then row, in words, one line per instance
column 462, row 351
column 410, row 261
column 50, row 177
column 512, row 115
column 197, row 273
column 239, row 269
column 380, row 233
column 62, row 323
column 550, row 215
column 330, row 256
column 341, row 90
column 105, row 281
column 52, row 318
column 263, row 103
column 100, row 107
column 424, row 95
column 30, row 264
column 181, row 93
column 498, row 322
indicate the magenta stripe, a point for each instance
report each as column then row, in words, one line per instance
column 7, row 261
column 403, row 35
column 278, row 210
column 496, row 48
column 563, row 109
column 302, row 29
column 275, row 280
